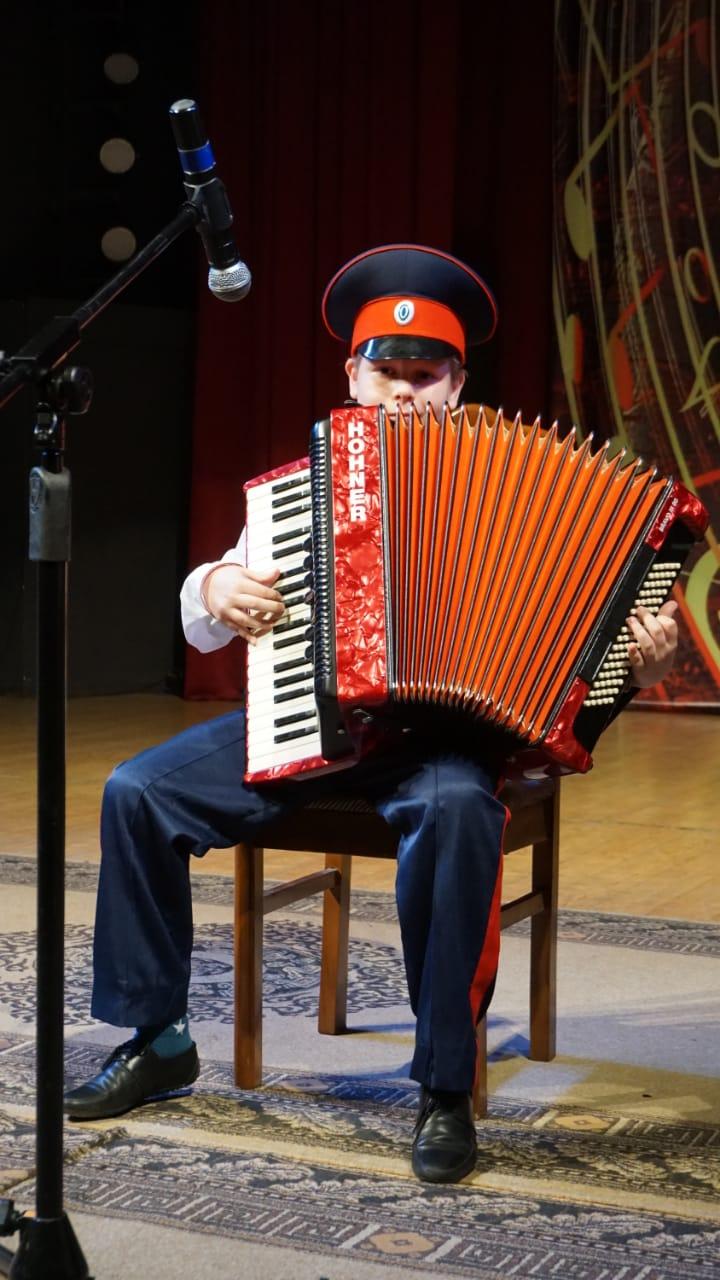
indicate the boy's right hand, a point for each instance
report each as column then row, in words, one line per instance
column 244, row 599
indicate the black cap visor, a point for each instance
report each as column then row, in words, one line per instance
column 403, row 346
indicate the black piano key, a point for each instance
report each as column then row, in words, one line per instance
column 293, row 694
column 291, row 601
column 286, row 681
column 283, row 552
column 287, row 499
column 294, row 733
column 280, row 538
column 291, row 664
column 288, row 640
column 282, row 628
column 291, row 512
column 282, row 486
column 293, row 580
column 296, row 718
column 292, row 591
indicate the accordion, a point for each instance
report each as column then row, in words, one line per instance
column 473, row 564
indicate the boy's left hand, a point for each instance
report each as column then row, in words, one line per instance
column 653, row 651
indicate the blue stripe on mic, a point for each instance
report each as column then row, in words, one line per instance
column 197, row 161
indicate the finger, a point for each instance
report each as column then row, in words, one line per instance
column 253, row 633
column 635, row 656
column 262, row 592
column 661, row 624
column 648, row 623
column 670, row 627
column 256, row 623
column 274, row 605
column 265, row 576
column 654, row 628
column 644, row 641
column 646, row 617
column 239, row 620
column 267, row 621
column 245, row 632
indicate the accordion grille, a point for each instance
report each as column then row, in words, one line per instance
column 504, row 545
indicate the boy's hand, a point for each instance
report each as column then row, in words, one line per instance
column 244, row 599
column 653, row 651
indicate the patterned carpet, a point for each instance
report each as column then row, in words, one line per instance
column 603, row 1165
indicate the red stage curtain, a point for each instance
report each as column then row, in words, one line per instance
column 339, row 126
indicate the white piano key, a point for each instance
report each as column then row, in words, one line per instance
column 264, row 701
column 265, row 736
column 267, row 688
column 285, row 753
column 271, row 658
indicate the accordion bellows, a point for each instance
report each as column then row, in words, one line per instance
column 503, row 545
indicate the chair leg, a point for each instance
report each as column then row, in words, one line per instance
column 480, row 1086
column 248, row 965
column 332, row 1013
column 543, row 943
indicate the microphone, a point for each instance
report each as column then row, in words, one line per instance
column 228, row 278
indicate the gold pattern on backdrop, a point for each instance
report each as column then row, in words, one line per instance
column 636, row 289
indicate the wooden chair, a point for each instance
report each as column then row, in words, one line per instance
column 342, row 828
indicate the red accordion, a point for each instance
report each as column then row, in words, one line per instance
column 474, row 564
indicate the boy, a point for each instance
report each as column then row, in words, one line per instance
column 408, row 312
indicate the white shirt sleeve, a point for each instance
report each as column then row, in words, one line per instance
column 203, row 631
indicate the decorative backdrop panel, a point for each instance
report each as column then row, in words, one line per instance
column 636, row 288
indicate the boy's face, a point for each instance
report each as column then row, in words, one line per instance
column 400, row 384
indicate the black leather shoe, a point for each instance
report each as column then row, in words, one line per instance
column 445, row 1142
column 132, row 1074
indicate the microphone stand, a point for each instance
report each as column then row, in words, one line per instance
column 48, row 1248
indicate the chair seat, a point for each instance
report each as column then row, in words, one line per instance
column 517, row 794
column 322, row 826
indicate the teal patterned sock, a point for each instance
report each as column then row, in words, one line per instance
column 171, row 1040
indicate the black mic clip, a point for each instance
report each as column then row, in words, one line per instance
column 229, row 278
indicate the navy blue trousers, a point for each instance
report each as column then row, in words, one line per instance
column 187, row 796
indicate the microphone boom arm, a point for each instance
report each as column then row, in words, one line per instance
column 52, row 344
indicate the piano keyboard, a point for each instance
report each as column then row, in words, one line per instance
column 282, row 721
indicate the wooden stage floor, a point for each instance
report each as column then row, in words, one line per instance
column 639, row 834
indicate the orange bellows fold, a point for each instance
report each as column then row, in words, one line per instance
column 504, row 546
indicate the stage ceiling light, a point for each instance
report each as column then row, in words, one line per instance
column 121, row 68
column 117, row 155
column 118, row 244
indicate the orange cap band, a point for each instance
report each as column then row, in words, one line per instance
column 415, row 317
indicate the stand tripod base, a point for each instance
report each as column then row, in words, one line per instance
column 48, row 1250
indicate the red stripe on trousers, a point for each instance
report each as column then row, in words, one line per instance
column 487, row 965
